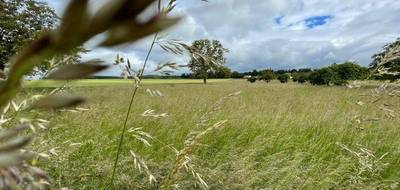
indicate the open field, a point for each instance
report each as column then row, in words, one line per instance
column 278, row 136
column 114, row 82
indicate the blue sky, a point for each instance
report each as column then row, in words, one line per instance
column 277, row 34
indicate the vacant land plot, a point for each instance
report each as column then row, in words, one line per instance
column 277, row 136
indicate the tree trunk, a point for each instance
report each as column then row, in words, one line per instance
column 205, row 80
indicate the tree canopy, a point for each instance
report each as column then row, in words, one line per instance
column 20, row 22
column 213, row 56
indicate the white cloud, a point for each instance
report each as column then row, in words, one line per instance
column 357, row 30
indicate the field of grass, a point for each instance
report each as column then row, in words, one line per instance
column 113, row 82
column 278, row 136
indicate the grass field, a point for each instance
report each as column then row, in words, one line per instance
column 278, row 136
column 113, row 82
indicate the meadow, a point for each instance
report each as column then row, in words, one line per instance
column 277, row 136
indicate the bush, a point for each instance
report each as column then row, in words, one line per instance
column 237, row 75
column 350, row 71
column 283, row 78
column 252, row 79
column 338, row 74
column 302, row 77
column 322, row 77
column 267, row 75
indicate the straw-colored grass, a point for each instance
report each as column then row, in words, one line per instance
column 113, row 82
column 278, row 136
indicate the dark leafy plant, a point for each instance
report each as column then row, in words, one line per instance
column 267, row 75
column 283, row 78
column 252, row 79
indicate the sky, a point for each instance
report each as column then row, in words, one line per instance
column 276, row 34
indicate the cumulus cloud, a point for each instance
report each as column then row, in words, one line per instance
column 280, row 34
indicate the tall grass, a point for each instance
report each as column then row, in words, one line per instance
column 277, row 136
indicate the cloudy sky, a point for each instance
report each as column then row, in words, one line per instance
column 277, row 34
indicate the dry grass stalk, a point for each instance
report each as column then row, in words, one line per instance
column 183, row 159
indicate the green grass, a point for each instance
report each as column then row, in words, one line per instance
column 113, row 82
column 278, row 136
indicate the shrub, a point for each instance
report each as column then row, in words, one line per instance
column 267, row 75
column 252, row 79
column 325, row 76
column 283, row 78
column 302, row 77
column 338, row 74
column 350, row 71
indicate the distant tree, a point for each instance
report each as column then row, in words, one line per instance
column 215, row 56
column 302, row 77
column 338, row 74
column 237, row 75
column 267, row 75
column 21, row 21
column 350, row 71
column 222, row 72
column 283, row 78
column 386, row 64
column 325, row 76
column 186, row 75
column 255, row 73
column 305, row 70
column 279, row 72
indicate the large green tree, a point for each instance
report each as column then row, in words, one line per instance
column 210, row 55
column 386, row 64
column 20, row 22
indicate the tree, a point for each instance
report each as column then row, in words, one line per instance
column 283, row 78
column 302, row 77
column 22, row 21
column 350, row 71
column 237, row 75
column 323, row 76
column 267, row 75
column 212, row 56
column 222, row 72
column 386, row 64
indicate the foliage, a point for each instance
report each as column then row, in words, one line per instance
column 386, row 64
column 212, row 49
column 338, row 74
column 300, row 77
column 220, row 72
column 350, row 71
column 324, row 76
column 283, row 78
column 21, row 21
column 237, row 75
column 252, row 79
column 267, row 75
